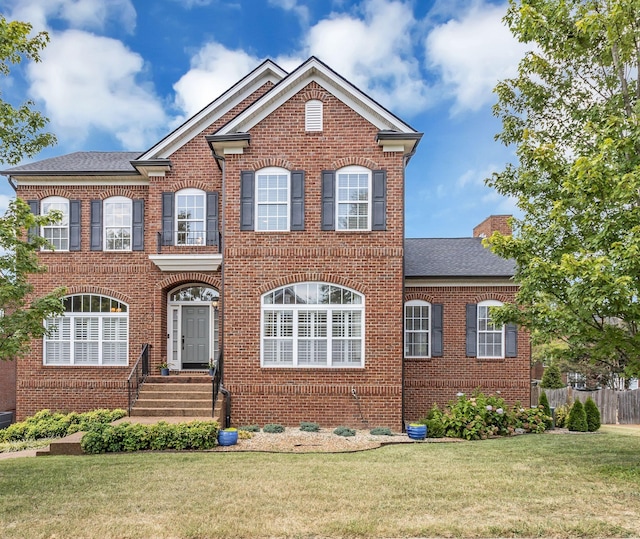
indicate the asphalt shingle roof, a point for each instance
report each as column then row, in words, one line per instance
column 80, row 162
column 453, row 257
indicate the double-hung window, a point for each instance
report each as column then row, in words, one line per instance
column 312, row 325
column 57, row 234
column 93, row 331
column 272, row 199
column 353, row 206
column 117, row 224
column 417, row 325
column 190, row 217
column 490, row 336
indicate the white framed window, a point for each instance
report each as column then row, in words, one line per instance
column 273, row 186
column 57, row 234
column 94, row 331
column 117, row 223
column 417, row 324
column 490, row 336
column 190, row 217
column 353, row 208
column 312, row 324
column 313, row 115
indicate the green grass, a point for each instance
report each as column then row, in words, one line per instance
column 527, row 486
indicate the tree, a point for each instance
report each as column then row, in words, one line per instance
column 577, row 420
column 593, row 415
column 22, row 316
column 20, row 128
column 572, row 113
column 544, row 402
column 552, row 378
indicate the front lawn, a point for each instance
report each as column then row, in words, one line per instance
column 571, row 485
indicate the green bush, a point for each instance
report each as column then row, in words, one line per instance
column 593, row 415
column 47, row 424
column 561, row 414
column 552, row 378
column 307, row 426
column 250, row 428
column 104, row 438
column 533, row 420
column 273, row 428
column 433, row 421
column 344, row 431
column 381, row 431
column 544, row 402
column 577, row 420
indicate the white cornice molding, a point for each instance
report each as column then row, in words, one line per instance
column 187, row 262
column 40, row 181
column 413, row 282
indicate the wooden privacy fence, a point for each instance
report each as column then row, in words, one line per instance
column 615, row 406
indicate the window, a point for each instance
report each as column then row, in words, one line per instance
column 57, row 234
column 490, row 336
column 417, row 324
column 312, row 325
column 117, row 224
column 272, row 199
column 313, row 115
column 93, row 331
column 353, row 198
column 190, row 217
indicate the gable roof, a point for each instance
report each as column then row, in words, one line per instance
column 79, row 163
column 453, row 257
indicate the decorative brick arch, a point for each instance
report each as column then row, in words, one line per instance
column 492, row 296
column 312, row 277
column 355, row 160
column 271, row 162
column 314, row 93
column 184, row 278
column 117, row 192
column 98, row 291
column 419, row 295
column 55, row 192
column 189, row 184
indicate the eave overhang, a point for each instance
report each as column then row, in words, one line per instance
column 152, row 167
column 231, row 143
column 187, row 262
column 394, row 141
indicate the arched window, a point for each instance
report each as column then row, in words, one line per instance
column 353, row 198
column 490, row 336
column 313, row 115
column 312, row 324
column 94, row 330
column 190, row 217
column 272, row 199
column 117, row 224
column 417, row 329
column 57, row 234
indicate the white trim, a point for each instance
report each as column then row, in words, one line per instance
column 412, row 282
column 418, row 303
column 58, row 225
column 272, row 171
column 38, row 181
column 194, row 193
column 353, row 169
column 187, row 262
column 116, row 200
column 482, row 304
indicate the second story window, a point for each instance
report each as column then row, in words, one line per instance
column 353, row 198
column 272, row 199
column 190, row 217
column 117, row 224
column 57, row 234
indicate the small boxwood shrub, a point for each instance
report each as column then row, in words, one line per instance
column 561, row 413
column 593, row 415
column 344, row 431
column 381, row 431
column 544, row 402
column 307, row 426
column 273, row 428
column 250, row 428
column 244, row 434
column 577, row 420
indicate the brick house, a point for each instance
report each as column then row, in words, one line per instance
column 266, row 232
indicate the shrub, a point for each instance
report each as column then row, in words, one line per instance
column 530, row 419
column 552, row 378
column 433, row 421
column 306, row 426
column 593, row 415
column 245, row 434
column 561, row 413
column 381, row 431
column 273, row 428
column 544, row 402
column 577, row 420
column 250, row 428
column 344, row 431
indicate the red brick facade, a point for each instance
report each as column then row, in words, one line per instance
column 7, row 386
column 371, row 263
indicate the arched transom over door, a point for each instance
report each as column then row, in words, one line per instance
column 192, row 318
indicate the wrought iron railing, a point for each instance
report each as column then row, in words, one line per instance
column 192, row 238
column 138, row 375
column 217, row 387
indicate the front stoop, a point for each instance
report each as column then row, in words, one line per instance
column 174, row 396
column 69, row 445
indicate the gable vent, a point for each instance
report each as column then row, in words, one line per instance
column 313, row 115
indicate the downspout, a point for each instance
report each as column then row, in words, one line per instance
column 13, row 185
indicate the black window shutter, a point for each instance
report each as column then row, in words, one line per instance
column 212, row 218
column 297, row 200
column 511, row 340
column 167, row 218
column 137, row 242
column 247, row 196
column 472, row 329
column 74, row 225
column 379, row 200
column 436, row 330
column 95, row 243
column 328, row 200
column 34, row 205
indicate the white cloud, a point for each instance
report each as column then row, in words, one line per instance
column 80, row 14
column 472, row 53
column 301, row 11
column 214, row 69
column 88, row 82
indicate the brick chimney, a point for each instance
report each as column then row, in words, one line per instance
column 493, row 223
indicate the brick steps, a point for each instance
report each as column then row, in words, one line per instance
column 183, row 395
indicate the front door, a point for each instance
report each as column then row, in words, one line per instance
column 195, row 336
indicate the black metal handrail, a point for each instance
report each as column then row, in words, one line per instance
column 217, row 387
column 138, row 375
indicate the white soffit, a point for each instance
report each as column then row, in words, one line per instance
column 266, row 72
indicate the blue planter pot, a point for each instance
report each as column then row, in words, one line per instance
column 228, row 437
column 417, row 432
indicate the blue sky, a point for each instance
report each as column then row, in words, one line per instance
column 121, row 74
